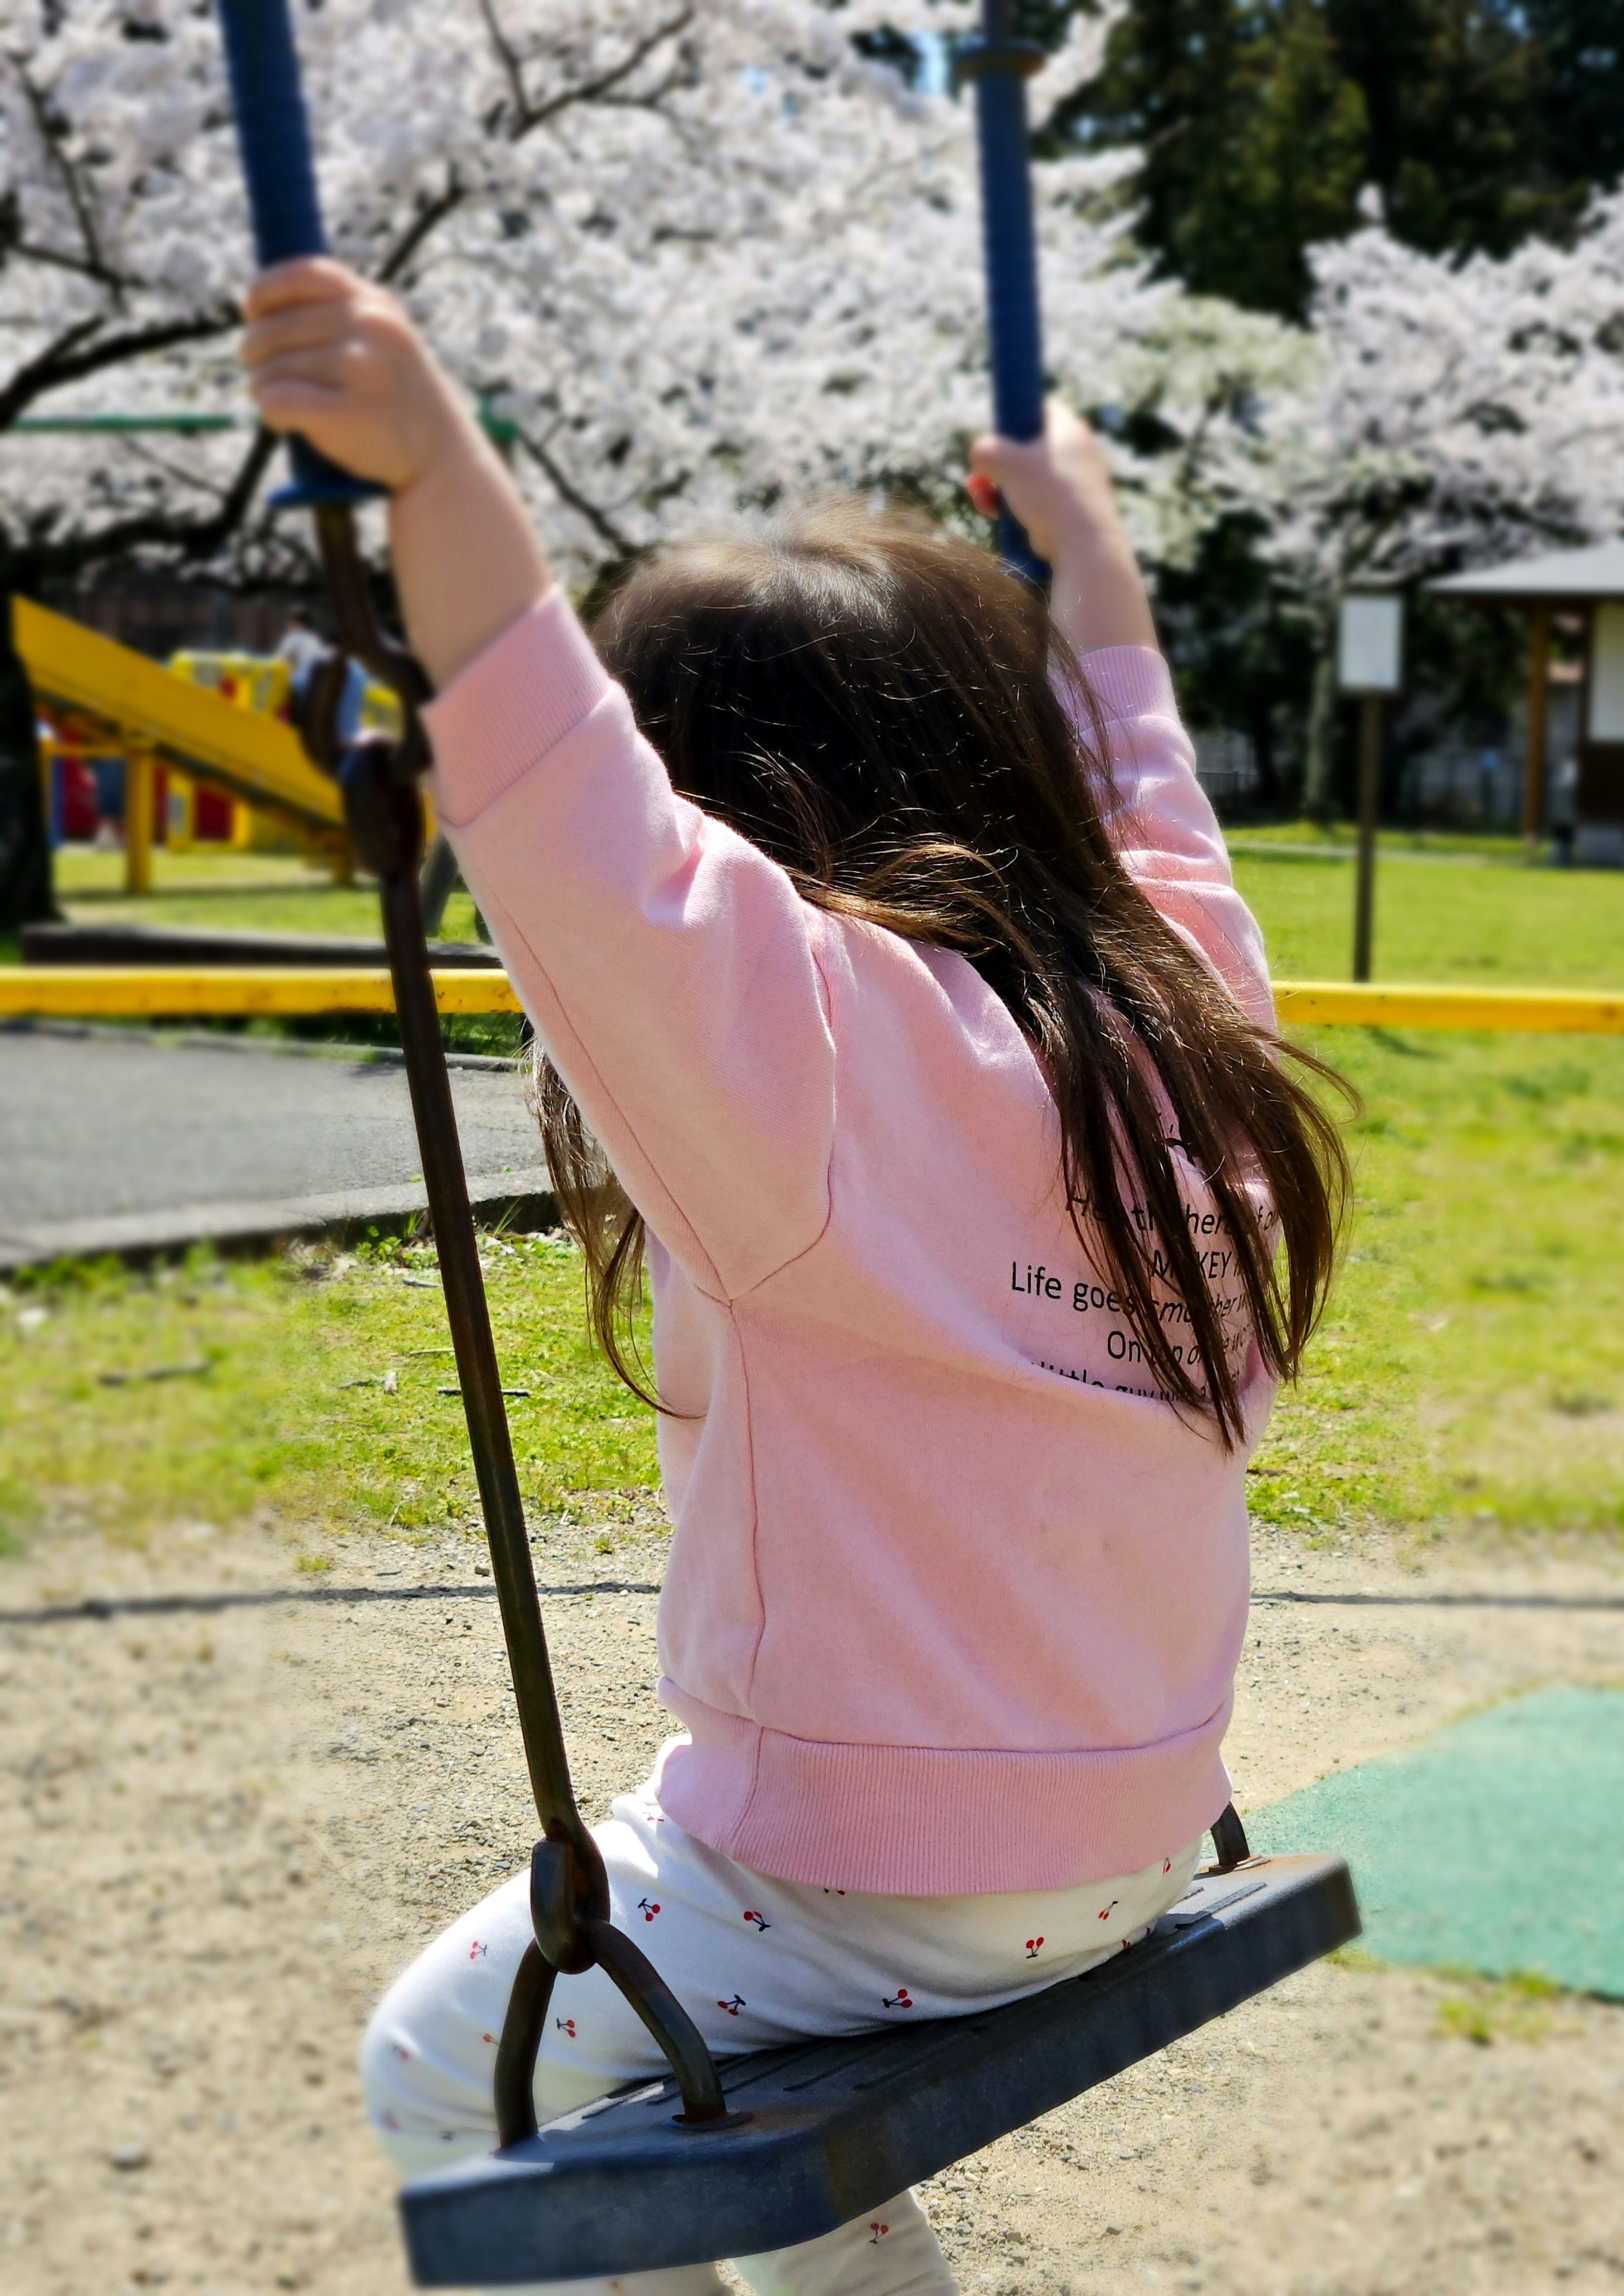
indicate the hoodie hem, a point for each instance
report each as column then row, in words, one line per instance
column 930, row 1821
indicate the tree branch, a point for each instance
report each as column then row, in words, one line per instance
column 593, row 91
column 600, row 523
column 527, row 115
column 62, row 362
column 42, row 560
column 61, row 260
column 51, row 136
column 507, row 56
column 36, row 375
column 427, row 218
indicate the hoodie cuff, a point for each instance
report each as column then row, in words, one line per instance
column 510, row 706
column 1129, row 682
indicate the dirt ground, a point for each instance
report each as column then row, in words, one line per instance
column 222, row 1828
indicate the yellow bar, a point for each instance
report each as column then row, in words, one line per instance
column 85, row 992
column 1545, row 1011
column 73, row 992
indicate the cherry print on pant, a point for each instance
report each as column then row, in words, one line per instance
column 1034, row 1946
column 830, row 1969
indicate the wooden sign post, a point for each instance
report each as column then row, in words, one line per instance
column 1369, row 662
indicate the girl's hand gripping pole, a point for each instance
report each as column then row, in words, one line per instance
column 1000, row 65
column 275, row 143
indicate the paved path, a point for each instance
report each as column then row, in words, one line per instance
column 112, row 1141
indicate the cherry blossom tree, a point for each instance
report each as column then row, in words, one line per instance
column 699, row 252
column 1466, row 412
column 1450, row 414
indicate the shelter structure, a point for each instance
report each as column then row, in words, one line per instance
column 1589, row 584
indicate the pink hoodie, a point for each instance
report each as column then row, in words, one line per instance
column 954, row 1603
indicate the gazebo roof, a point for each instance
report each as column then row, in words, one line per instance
column 1557, row 578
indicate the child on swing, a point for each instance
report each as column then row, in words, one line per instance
column 900, row 1016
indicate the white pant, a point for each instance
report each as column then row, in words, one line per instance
column 756, row 1963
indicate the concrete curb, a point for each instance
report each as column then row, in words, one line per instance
column 523, row 1199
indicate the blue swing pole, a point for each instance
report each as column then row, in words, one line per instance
column 275, row 145
column 1000, row 65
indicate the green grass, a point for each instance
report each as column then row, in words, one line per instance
column 1471, row 1372
column 1469, row 1379
column 1464, row 911
column 275, row 1398
column 236, row 892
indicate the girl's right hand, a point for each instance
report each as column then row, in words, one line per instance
column 336, row 359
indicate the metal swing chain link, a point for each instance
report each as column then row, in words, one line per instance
column 570, row 1899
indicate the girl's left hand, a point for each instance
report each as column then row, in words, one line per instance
column 335, row 358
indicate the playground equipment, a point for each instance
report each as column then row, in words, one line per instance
column 775, row 2149
column 153, row 716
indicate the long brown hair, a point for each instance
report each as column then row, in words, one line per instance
column 874, row 704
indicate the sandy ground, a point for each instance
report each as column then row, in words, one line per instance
column 222, row 1829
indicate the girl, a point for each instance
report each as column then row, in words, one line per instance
column 900, row 1014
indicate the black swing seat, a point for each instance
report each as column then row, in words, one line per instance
column 822, row 2131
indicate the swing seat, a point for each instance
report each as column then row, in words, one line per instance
column 822, row 2131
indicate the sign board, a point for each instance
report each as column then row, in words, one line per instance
column 1370, row 642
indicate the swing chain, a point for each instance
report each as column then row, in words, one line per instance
column 570, row 1899
column 1229, row 1840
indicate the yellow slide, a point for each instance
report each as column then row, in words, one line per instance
column 250, row 756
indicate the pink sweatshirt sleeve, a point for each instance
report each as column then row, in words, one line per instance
column 668, row 965
column 1164, row 828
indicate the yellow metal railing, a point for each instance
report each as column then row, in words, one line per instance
column 1371, row 1005
column 71, row 992
column 76, row 992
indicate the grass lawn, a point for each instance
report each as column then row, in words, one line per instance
column 1470, row 1377
column 1469, row 910
column 237, row 892
column 1470, row 1370
column 313, row 1386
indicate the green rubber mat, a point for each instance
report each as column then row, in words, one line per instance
column 1497, row 1845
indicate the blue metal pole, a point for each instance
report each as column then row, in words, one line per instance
column 1000, row 65
column 275, row 142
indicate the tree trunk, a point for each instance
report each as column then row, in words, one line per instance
column 1319, row 797
column 26, row 896
column 1267, row 792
